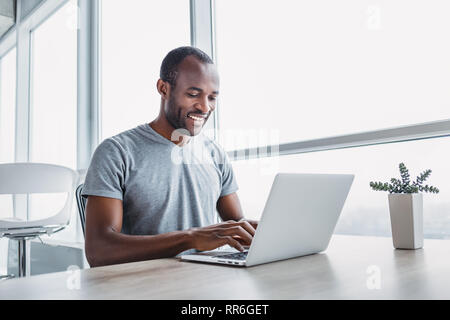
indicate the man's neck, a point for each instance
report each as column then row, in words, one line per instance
column 165, row 129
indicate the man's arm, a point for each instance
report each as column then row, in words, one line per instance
column 229, row 208
column 105, row 244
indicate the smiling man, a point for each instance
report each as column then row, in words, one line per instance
column 144, row 204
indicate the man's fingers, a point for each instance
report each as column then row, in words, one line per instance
column 243, row 224
column 244, row 243
column 239, row 232
column 253, row 223
column 233, row 243
column 248, row 226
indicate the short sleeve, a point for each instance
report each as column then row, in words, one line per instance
column 229, row 183
column 106, row 173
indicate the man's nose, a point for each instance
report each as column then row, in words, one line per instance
column 203, row 105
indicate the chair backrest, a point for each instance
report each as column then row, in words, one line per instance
column 81, row 203
column 29, row 178
column 26, row 178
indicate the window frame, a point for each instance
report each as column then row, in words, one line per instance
column 4, row 51
column 419, row 131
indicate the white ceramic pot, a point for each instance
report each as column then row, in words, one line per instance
column 406, row 212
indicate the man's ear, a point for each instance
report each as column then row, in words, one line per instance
column 163, row 88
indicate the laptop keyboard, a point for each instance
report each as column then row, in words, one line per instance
column 234, row 256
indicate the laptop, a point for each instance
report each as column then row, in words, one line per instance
column 299, row 217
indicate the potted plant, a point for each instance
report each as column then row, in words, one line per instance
column 406, row 207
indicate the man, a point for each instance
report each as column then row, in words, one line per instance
column 143, row 202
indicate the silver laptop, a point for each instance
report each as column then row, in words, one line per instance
column 298, row 219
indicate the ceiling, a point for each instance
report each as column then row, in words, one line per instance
column 7, row 15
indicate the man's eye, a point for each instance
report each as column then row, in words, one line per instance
column 192, row 95
column 212, row 98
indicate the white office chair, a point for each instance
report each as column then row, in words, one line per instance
column 29, row 178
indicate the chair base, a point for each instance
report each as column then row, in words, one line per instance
column 23, row 254
column 23, row 239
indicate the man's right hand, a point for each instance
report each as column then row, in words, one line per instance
column 236, row 234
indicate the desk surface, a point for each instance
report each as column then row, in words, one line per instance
column 344, row 271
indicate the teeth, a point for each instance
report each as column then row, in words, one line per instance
column 195, row 118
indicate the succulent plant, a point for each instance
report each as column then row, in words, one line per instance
column 404, row 185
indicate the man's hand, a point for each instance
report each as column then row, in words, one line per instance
column 253, row 223
column 236, row 234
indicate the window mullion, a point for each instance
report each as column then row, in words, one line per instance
column 202, row 37
column 22, row 106
column 399, row 134
column 88, row 126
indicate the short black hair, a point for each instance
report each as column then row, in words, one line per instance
column 169, row 65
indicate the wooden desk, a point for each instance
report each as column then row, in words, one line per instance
column 341, row 272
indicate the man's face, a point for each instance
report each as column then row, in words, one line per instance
column 194, row 96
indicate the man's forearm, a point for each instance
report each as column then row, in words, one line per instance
column 114, row 247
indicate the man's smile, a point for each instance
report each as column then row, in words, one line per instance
column 198, row 118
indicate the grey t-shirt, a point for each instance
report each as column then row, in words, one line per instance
column 163, row 187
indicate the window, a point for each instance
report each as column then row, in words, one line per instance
column 7, row 134
column 54, row 90
column 365, row 211
column 136, row 36
column 314, row 69
column 7, row 106
column 54, row 106
column 302, row 71
column 7, row 120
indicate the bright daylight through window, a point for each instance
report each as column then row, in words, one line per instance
column 54, row 104
column 7, row 134
column 322, row 69
column 314, row 69
column 135, row 38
